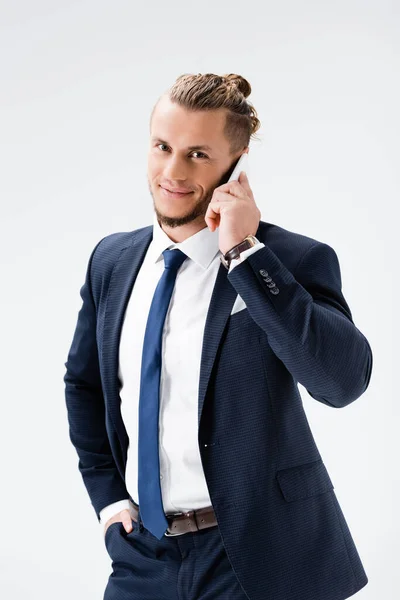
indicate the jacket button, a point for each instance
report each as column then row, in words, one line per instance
column 271, row 285
column 274, row 290
column 263, row 272
column 267, row 279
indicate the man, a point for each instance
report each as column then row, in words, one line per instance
column 181, row 382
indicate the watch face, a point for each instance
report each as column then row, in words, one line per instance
column 252, row 239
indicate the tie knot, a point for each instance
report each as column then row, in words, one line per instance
column 173, row 258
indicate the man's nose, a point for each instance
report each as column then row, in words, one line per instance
column 175, row 171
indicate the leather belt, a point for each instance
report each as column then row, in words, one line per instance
column 185, row 522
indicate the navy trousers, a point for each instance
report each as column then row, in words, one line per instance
column 191, row 566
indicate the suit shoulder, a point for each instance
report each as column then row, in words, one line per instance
column 110, row 246
column 276, row 234
column 107, row 250
column 289, row 246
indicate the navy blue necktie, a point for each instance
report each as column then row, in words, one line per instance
column 149, row 488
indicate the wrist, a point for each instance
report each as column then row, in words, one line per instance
column 234, row 253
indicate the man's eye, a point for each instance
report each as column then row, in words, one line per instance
column 194, row 152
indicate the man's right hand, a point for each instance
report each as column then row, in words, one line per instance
column 124, row 516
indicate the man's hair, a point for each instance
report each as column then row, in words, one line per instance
column 211, row 92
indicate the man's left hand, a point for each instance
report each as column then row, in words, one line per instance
column 232, row 208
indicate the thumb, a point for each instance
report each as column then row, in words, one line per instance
column 244, row 182
column 243, row 179
column 126, row 520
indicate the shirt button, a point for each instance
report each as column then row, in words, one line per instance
column 161, row 476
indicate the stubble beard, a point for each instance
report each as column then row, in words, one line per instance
column 195, row 213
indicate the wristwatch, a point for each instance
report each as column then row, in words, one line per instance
column 248, row 242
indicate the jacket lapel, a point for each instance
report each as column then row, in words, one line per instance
column 222, row 301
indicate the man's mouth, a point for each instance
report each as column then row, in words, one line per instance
column 174, row 194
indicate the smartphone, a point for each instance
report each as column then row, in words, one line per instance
column 241, row 165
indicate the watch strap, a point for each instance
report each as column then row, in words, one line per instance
column 248, row 242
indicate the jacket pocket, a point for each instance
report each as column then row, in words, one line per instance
column 304, row 480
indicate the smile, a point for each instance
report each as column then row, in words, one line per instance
column 174, row 194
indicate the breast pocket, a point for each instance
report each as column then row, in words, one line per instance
column 238, row 305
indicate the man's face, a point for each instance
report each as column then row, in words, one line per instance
column 172, row 165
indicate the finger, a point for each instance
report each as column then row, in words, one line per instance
column 212, row 218
column 222, row 197
column 220, row 206
column 212, row 224
column 127, row 525
column 243, row 179
column 232, row 188
column 244, row 182
column 212, row 213
column 126, row 520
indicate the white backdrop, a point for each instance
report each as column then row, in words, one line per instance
column 78, row 82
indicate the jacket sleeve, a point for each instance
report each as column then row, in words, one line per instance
column 307, row 321
column 86, row 408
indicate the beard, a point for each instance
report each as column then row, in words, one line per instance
column 196, row 211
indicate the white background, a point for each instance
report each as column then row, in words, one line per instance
column 78, row 82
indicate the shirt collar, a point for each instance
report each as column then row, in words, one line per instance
column 201, row 247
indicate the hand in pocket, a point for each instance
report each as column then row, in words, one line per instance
column 124, row 517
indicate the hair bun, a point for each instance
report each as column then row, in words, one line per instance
column 240, row 82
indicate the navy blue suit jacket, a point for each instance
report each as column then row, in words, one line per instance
column 280, row 521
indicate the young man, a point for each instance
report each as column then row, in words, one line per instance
column 181, row 382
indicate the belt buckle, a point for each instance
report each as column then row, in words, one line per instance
column 168, row 533
column 171, row 534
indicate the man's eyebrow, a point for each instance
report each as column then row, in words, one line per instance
column 198, row 147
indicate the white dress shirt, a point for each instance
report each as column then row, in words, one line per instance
column 182, row 480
